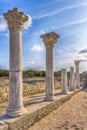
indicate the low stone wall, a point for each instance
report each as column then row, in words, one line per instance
column 28, row 89
column 24, row 122
column 3, row 92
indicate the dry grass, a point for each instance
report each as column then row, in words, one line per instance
column 34, row 86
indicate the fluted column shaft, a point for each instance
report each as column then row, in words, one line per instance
column 15, row 68
column 49, row 39
column 49, row 74
column 15, row 21
column 72, row 79
column 77, row 80
column 64, row 81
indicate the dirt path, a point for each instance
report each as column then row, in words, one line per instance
column 72, row 115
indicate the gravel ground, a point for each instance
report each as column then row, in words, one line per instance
column 72, row 115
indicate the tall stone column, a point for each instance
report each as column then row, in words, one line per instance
column 64, row 81
column 77, row 80
column 72, row 79
column 15, row 20
column 49, row 39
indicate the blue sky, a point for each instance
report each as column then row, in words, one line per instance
column 66, row 17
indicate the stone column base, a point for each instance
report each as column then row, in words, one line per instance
column 64, row 92
column 77, row 87
column 72, row 89
column 16, row 112
column 49, row 98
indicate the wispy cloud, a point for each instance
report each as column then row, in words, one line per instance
column 4, row 34
column 3, row 24
column 37, row 47
column 82, row 55
column 28, row 23
column 73, row 23
column 59, row 11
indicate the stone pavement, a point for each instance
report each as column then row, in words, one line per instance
column 36, row 109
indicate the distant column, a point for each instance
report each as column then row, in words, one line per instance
column 49, row 39
column 72, row 79
column 64, row 81
column 15, row 20
column 77, row 75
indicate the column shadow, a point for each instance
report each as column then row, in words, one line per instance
column 59, row 94
column 5, row 117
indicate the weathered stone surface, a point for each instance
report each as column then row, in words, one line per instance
column 3, row 125
column 25, row 121
column 64, row 81
column 15, row 20
column 15, row 90
column 49, row 40
column 72, row 79
column 77, row 80
column 15, row 50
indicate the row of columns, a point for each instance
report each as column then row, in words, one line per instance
column 74, row 79
column 16, row 20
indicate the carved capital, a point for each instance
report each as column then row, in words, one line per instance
column 50, row 39
column 15, row 19
column 77, row 62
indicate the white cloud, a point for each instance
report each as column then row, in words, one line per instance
column 28, row 23
column 3, row 24
column 74, row 23
column 60, row 10
column 37, row 47
column 82, row 55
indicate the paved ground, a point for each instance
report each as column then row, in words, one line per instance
column 34, row 101
column 72, row 115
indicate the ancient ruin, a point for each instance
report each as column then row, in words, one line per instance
column 77, row 83
column 49, row 40
column 15, row 20
column 64, row 81
column 25, row 118
column 72, row 79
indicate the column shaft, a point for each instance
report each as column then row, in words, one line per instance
column 77, row 75
column 64, row 81
column 15, row 50
column 49, row 74
column 15, row 20
column 15, row 75
column 49, row 40
column 72, row 81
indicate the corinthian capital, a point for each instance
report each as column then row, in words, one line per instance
column 50, row 39
column 77, row 62
column 15, row 19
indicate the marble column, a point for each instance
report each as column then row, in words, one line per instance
column 64, row 81
column 15, row 20
column 77, row 80
column 49, row 40
column 72, row 79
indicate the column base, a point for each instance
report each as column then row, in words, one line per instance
column 77, row 87
column 72, row 89
column 64, row 92
column 49, row 98
column 17, row 112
